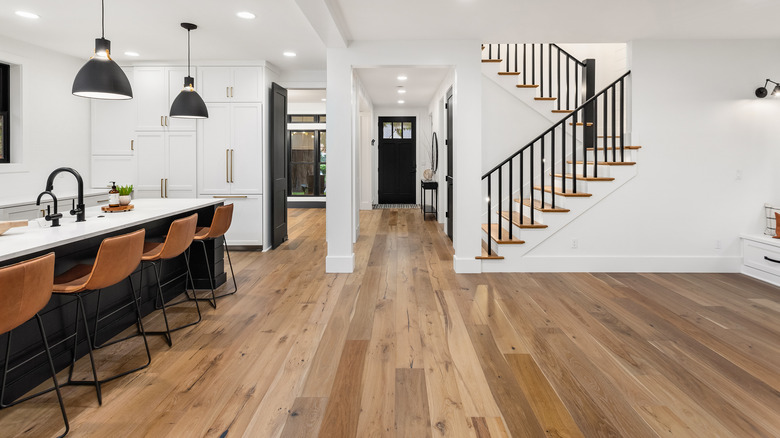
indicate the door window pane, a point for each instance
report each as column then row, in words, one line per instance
column 407, row 130
column 387, row 130
column 302, row 145
column 302, row 179
column 303, row 119
column 398, row 130
column 323, row 148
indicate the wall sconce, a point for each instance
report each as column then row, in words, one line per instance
column 761, row 92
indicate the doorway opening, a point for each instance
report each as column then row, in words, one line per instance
column 307, row 148
column 397, row 160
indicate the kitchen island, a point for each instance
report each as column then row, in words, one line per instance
column 78, row 242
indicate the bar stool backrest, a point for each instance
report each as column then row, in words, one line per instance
column 25, row 288
column 223, row 216
column 179, row 236
column 116, row 259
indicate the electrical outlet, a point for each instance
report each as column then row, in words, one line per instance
column 574, row 244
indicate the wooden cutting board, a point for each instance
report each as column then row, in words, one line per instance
column 7, row 225
column 108, row 209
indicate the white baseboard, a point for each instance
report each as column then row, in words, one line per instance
column 761, row 275
column 615, row 264
column 466, row 265
column 340, row 264
column 366, row 205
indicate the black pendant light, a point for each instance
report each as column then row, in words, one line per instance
column 188, row 104
column 101, row 77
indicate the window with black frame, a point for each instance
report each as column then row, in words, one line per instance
column 5, row 118
column 308, row 157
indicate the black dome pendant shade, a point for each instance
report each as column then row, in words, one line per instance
column 101, row 77
column 188, row 104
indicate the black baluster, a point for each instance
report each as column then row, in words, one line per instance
column 524, row 62
column 531, row 185
column 541, row 170
column 490, row 236
column 622, row 121
column 614, row 131
column 490, row 51
column 521, row 180
column 549, row 71
column 533, row 64
column 498, row 48
column 559, row 79
column 563, row 156
column 574, row 154
column 511, row 209
column 500, row 202
column 595, row 143
column 515, row 57
column 507, row 58
column 606, row 137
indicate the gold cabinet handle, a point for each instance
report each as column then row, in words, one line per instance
column 166, row 187
column 232, row 152
column 161, row 188
column 162, row 120
column 166, row 120
column 227, row 165
column 231, row 91
column 131, row 145
column 227, row 91
column 101, row 201
column 43, row 213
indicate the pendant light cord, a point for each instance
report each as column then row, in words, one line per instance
column 102, row 18
column 188, row 53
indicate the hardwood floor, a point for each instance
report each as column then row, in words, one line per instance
column 404, row 347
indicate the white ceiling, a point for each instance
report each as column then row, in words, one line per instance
column 382, row 85
column 151, row 28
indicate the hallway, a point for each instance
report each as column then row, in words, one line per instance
column 404, row 347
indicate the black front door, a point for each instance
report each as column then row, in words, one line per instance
column 450, row 193
column 279, row 161
column 397, row 160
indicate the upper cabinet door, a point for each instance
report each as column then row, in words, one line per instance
column 246, row 149
column 214, row 151
column 150, row 93
column 175, row 77
column 247, row 84
column 214, row 83
column 113, row 125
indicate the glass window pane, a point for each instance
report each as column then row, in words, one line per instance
column 303, row 119
column 407, row 129
column 322, row 118
column 302, row 179
column 302, row 145
column 322, row 179
column 387, row 130
column 323, row 147
column 397, row 130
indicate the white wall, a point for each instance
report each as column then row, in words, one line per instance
column 302, row 79
column 306, row 108
column 611, row 59
column 439, row 123
column 55, row 125
column 464, row 56
column 708, row 164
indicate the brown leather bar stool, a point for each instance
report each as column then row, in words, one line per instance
column 116, row 259
column 220, row 223
column 25, row 288
column 176, row 243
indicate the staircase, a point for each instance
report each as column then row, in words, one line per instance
column 567, row 169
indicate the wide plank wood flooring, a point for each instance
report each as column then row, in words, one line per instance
column 404, row 347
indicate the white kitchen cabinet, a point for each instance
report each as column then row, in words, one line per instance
column 230, row 84
column 165, row 165
column 154, row 90
column 107, row 168
column 230, row 150
column 246, row 229
column 113, row 124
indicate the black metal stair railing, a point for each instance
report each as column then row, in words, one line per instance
column 546, row 65
column 607, row 125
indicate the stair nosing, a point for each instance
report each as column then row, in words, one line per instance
column 548, row 189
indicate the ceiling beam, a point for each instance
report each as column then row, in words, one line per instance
column 327, row 20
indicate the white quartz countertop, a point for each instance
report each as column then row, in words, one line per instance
column 16, row 201
column 40, row 236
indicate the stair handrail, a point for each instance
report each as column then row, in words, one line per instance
column 590, row 127
column 558, row 123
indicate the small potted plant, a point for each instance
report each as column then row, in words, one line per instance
column 124, row 194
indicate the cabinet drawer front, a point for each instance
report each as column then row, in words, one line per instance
column 762, row 256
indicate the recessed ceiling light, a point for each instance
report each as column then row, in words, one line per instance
column 245, row 15
column 324, row 100
column 290, row 54
column 402, row 78
column 132, row 54
column 400, row 101
column 401, row 91
column 26, row 14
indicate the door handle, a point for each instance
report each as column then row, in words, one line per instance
column 166, row 187
column 448, row 178
column 232, row 152
column 161, row 188
column 227, row 165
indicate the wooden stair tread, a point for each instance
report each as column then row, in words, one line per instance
column 526, row 86
column 485, row 255
column 563, row 111
column 492, row 60
column 526, row 220
column 545, row 208
column 580, row 124
column 545, row 98
column 508, row 73
column 601, row 148
column 558, row 192
column 608, row 163
column 504, row 235
column 586, row 178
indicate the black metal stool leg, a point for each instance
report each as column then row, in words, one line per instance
column 162, row 303
column 136, row 299
column 53, row 374
column 230, row 262
column 192, row 282
column 208, row 271
column 96, row 382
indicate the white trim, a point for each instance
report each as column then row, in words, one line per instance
column 615, row 264
column 366, row 205
column 761, row 275
column 340, row 264
column 467, row 265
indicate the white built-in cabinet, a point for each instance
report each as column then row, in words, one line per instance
column 166, row 165
column 230, row 84
column 230, row 150
column 113, row 140
column 246, row 229
column 154, row 90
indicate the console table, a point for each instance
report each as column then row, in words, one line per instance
column 432, row 186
